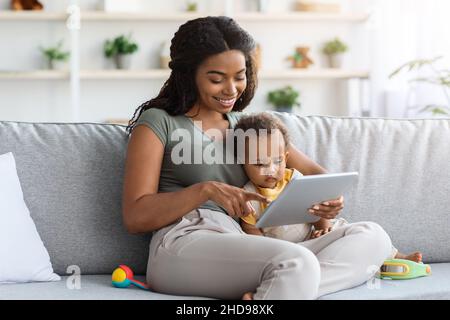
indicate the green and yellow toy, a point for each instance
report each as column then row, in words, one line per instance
column 401, row 269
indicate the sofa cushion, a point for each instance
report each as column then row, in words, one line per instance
column 71, row 176
column 93, row 287
column 23, row 257
column 436, row 286
column 404, row 179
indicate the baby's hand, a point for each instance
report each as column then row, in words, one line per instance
column 317, row 233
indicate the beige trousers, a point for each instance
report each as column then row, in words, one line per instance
column 207, row 254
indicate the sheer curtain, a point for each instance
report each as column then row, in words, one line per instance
column 401, row 31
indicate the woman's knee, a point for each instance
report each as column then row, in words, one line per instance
column 296, row 267
column 378, row 232
column 379, row 240
column 292, row 250
column 307, row 260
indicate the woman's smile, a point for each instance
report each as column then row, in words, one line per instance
column 227, row 103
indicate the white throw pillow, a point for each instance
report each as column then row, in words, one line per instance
column 23, row 257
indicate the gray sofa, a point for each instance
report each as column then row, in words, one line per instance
column 71, row 175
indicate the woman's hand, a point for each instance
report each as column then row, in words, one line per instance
column 328, row 209
column 234, row 200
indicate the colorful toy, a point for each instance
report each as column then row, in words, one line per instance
column 401, row 269
column 122, row 277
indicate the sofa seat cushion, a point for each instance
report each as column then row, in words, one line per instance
column 98, row 287
column 436, row 286
column 93, row 287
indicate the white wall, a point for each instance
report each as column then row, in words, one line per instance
column 49, row 100
column 406, row 30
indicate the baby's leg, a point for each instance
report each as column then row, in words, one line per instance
column 415, row 256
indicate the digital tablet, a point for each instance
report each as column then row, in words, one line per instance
column 291, row 206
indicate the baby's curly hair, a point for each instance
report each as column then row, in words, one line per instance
column 263, row 121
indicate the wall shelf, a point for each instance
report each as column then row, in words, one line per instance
column 313, row 74
column 303, row 17
column 248, row 17
column 182, row 16
column 162, row 74
column 32, row 16
column 158, row 74
column 35, row 75
column 288, row 74
column 118, row 16
column 76, row 75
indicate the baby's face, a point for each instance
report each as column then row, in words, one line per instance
column 265, row 159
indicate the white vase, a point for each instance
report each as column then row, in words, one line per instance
column 336, row 60
column 122, row 61
column 56, row 65
column 287, row 109
column 50, row 64
column 164, row 55
column 263, row 6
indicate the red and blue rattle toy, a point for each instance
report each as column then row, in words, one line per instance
column 123, row 277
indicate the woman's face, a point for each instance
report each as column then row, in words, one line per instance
column 221, row 80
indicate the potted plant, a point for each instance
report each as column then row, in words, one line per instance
column 120, row 50
column 335, row 49
column 284, row 99
column 439, row 77
column 53, row 54
column 191, row 6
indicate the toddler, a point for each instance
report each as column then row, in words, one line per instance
column 264, row 154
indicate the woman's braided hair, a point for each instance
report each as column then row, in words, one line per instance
column 195, row 41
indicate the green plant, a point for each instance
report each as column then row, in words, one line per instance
column 297, row 56
column 439, row 77
column 334, row 47
column 120, row 45
column 191, row 6
column 284, row 97
column 55, row 53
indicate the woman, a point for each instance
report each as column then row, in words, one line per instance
column 197, row 247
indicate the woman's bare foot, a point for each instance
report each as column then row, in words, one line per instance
column 416, row 256
column 247, row 296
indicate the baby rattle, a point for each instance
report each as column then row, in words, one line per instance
column 122, row 277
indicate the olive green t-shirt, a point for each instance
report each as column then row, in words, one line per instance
column 190, row 155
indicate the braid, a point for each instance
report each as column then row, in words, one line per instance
column 193, row 42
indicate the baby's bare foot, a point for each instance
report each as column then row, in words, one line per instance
column 247, row 296
column 416, row 256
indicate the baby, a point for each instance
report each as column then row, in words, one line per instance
column 264, row 154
